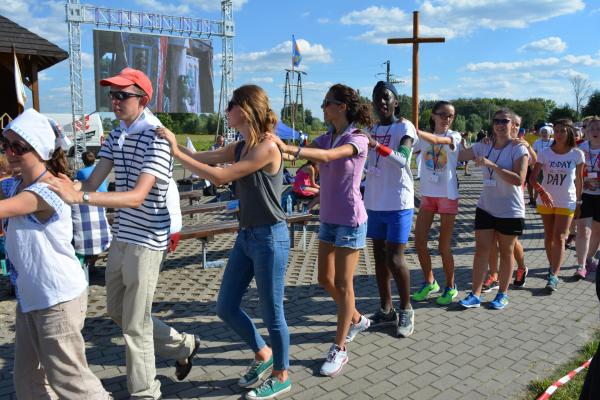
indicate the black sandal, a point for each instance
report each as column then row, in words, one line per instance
column 182, row 371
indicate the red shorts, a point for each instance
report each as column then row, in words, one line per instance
column 440, row 205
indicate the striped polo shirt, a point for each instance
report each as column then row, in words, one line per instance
column 133, row 151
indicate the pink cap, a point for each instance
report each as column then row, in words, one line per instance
column 129, row 76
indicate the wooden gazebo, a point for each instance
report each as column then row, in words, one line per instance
column 34, row 54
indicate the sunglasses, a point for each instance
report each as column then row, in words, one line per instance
column 501, row 121
column 231, row 104
column 444, row 115
column 120, row 95
column 17, row 148
column 327, row 102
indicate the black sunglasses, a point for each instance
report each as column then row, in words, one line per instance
column 327, row 102
column 501, row 121
column 17, row 148
column 120, row 95
column 231, row 104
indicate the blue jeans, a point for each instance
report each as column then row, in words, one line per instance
column 262, row 253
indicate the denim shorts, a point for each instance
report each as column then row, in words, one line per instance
column 353, row 237
column 391, row 226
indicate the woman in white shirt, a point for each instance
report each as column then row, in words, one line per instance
column 588, row 224
column 439, row 195
column 559, row 193
column 500, row 210
column 50, row 283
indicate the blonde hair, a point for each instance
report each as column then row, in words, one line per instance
column 4, row 168
column 254, row 104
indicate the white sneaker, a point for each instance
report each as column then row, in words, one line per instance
column 355, row 329
column 336, row 358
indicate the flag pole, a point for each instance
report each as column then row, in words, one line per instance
column 293, row 103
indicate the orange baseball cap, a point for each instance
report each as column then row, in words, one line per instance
column 129, row 76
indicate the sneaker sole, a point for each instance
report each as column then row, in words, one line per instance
column 551, row 289
column 491, row 307
column 470, row 305
column 249, row 397
column 405, row 335
column 350, row 339
column 386, row 323
column 338, row 371
column 258, row 378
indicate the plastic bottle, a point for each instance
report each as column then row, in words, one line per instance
column 288, row 204
column 216, row 263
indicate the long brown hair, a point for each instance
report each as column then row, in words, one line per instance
column 357, row 112
column 567, row 123
column 254, row 104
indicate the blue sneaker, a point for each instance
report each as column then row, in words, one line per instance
column 471, row 301
column 499, row 302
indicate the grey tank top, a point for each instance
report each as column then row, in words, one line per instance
column 260, row 196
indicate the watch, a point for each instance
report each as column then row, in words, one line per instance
column 86, row 197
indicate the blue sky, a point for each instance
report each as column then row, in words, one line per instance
column 494, row 48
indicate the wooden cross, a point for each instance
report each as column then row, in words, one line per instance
column 415, row 40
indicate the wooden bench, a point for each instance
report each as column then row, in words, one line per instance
column 205, row 232
column 191, row 195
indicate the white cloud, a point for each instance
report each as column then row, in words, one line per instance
column 279, row 57
column 164, row 8
column 454, row 18
column 87, row 60
column 323, row 20
column 44, row 18
column 260, row 80
column 551, row 44
column 535, row 64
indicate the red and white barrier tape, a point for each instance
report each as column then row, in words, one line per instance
column 565, row 379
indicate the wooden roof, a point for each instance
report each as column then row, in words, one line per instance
column 44, row 53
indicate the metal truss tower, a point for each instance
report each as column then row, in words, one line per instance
column 144, row 22
column 291, row 107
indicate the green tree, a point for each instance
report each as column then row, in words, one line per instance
column 474, row 123
column 563, row 112
column 459, row 124
column 593, row 105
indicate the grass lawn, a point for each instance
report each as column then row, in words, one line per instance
column 201, row 142
column 572, row 389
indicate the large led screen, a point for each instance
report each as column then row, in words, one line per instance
column 180, row 69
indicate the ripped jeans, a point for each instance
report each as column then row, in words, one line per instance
column 353, row 237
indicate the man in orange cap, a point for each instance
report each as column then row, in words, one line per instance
column 142, row 167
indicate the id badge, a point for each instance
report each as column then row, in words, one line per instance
column 592, row 175
column 434, row 178
column 489, row 182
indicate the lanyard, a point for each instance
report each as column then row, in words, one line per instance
column 386, row 136
column 593, row 161
column 436, row 156
column 490, row 170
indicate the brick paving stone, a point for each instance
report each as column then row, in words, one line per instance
column 453, row 354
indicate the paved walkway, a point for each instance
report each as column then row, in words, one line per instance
column 453, row 354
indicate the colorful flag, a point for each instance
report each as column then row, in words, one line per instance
column 296, row 56
column 21, row 94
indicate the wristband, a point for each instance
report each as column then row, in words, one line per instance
column 297, row 154
column 383, row 150
column 579, row 202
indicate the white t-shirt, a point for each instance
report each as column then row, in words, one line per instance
column 389, row 187
column 438, row 167
column 46, row 271
column 559, row 176
column 591, row 178
column 174, row 207
column 498, row 197
column 541, row 145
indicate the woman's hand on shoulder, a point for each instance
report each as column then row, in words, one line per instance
column 169, row 136
column 273, row 138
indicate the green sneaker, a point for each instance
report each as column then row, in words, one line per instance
column 255, row 371
column 446, row 298
column 425, row 290
column 269, row 389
